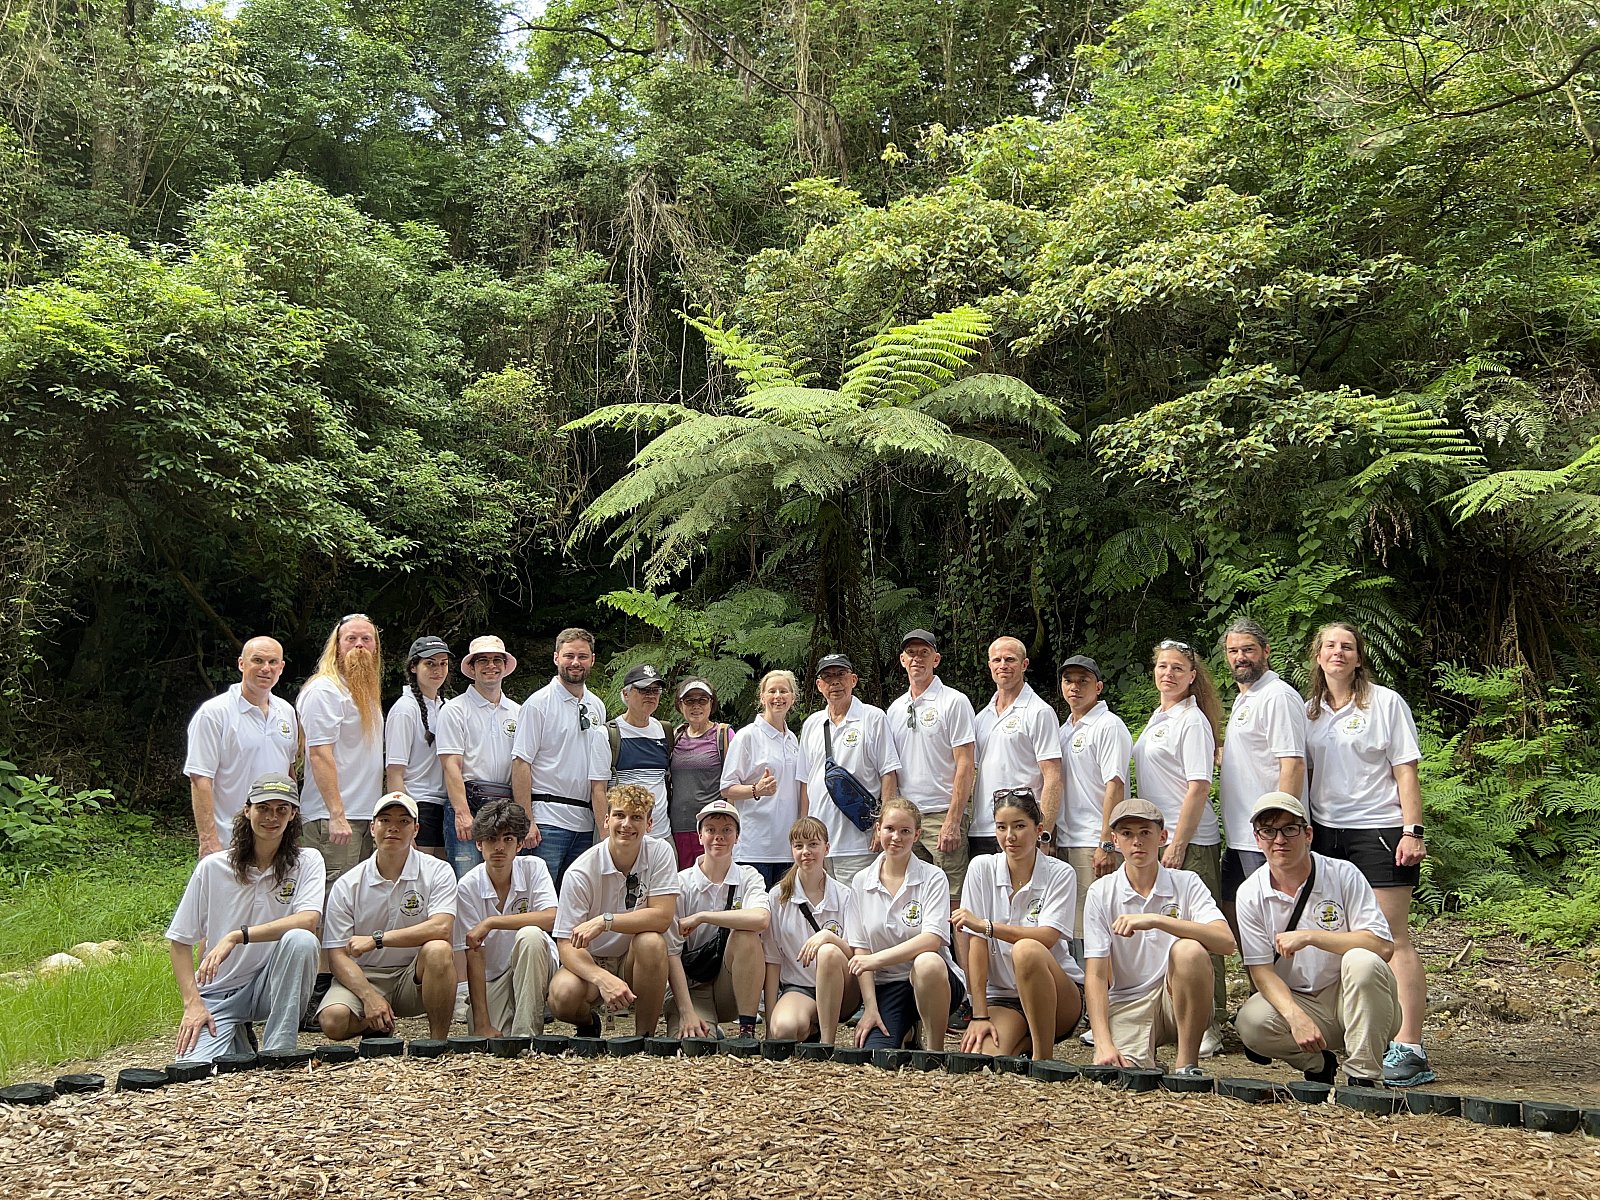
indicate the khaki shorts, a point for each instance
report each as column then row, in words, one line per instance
column 953, row 864
column 1141, row 1026
column 398, row 985
column 337, row 859
column 713, row 1002
column 1081, row 860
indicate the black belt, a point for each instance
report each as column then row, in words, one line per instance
column 547, row 798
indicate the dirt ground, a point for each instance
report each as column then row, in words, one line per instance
column 1506, row 1021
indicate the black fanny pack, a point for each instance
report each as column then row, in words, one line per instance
column 703, row 963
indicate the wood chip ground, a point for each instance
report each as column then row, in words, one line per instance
column 723, row 1129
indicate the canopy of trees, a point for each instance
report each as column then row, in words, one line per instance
column 748, row 331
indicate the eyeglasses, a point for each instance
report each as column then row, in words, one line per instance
column 632, row 897
column 1014, row 794
column 1288, row 831
column 584, row 723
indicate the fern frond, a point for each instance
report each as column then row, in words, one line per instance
column 900, row 364
column 986, row 398
column 758, row 365
column 629, row 417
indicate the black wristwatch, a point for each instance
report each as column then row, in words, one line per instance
column 377, row 940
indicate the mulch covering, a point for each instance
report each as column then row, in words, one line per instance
column 740, row 1127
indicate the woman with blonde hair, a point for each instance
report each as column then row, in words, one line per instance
column 808, row 982
column 1173, row 760
column 761, row 776
column 1366, row 808
column 902, row 938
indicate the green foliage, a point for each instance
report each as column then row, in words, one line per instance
column 40, row 821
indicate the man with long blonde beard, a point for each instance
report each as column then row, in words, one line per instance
column 342, row 715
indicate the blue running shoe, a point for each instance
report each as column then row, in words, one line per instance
column 1403, row 1067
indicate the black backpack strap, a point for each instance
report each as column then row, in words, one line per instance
column 811, row 917
column 1299, row 905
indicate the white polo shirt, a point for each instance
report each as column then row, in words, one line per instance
column 884, row 919
column 364, row 902
column 405, row 744
column 1265, row 724
column 789, row 930
column 330, row 718
column 482, row 733
column 1010, row 748
column 764, row 821
column 1352, row 754
column 594, row 886
column 861, row 745
column 1139, row 963
column 530, row 891
column 1175, row 747
column 1094, row 751
column 215, row 904
column 1050, row 897
column 565, row 758
column 233, row 744
column 1342, row 901
column 697, row 893
column 926, row 732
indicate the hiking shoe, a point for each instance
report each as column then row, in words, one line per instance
column 1087, row 1037
column 1188, row 1072
column 1260, row 1060
column 1403, row 1067
column 1326, row 1072
column 961, row 1018
column 1211, row 1043
column 1357, row 1081
column 747, row 1029
column 589, row 1029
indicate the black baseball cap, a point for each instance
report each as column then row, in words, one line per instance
column 919, row 635
column 643, row 676
column 1084, row 661
column 828, row 661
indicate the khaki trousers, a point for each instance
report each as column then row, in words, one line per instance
column 1358, row 1016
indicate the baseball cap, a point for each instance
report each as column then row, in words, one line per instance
column 1134, row 808
column 1084, row 661
column 274, row 787
column 696, row 685
column 487, row 644
column 717, row 808
column 828, row 661
column 643, row 676
column 1279, row 802
column 397, row 798
column 426, row 647
column 919, row 635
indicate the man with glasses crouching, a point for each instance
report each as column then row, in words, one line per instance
column 617, row 903
column 1317, row 947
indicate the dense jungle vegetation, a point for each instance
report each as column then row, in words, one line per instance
column 744, row 331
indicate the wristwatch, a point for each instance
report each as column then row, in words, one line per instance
column 377, row 940
column 1108, row 847
column 606, row 917
column 1411, row 831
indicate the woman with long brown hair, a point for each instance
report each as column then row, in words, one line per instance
column 808, row 983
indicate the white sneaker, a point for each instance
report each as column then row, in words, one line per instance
column 1211, row 1043
column 463, row 1010
column 1087, row 1037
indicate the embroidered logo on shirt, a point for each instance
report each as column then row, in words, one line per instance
column 1171, row 910
column 1241, row 712
column 1034, row 910
column 522, row 906
column 928, row 716
column 411, row 902
column 1354, row 723
column 511, row 728
column 851, row 737
column 1011, row 724
column 834, row 928
column 1330, row 915
column 912, row 914
column 283, row 728
column 1159, row 733
column 1080, row 742
column 286, row 892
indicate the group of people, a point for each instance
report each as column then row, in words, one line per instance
column 926, row 866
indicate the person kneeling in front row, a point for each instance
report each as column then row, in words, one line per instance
column 388, row 933
column 1317, row 947
column 505, row 911
column 617, row 902
column 256, row 906
column 1147, row 932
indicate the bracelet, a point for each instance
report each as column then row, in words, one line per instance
column 977, row 1017
column 244, row 935
column 988, row 930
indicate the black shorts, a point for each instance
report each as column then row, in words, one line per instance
column 982, row 845
column 1237, row 866
column 785, row 988
column 430, row 824
column 1371, row 850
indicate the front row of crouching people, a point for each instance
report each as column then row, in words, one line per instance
column 710, row 944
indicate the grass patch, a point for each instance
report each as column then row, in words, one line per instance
column 126, row 887
column 83, row 1014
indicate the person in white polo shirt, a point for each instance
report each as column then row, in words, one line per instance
column 717, row 963
column 1147, row 932
column 616, row 906
column 560, row 762
column 255, row 908
column 1263, row 749
column 808, row 978
column 477, row 732
column 900, row 933
column 1096, row 748
column 761, row 777
column 388, row 931
column 855, row 737
column 342, row 719
column 1317, row 947
column 639, row 743
column 505, row 912
column 1018, row 746
column 236, row 738
column 1027, row 989
column 410, row 734
column 1173, row 759
column 931, row 724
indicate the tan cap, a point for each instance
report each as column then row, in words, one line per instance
column 394, row 798
column 488, row 644
column 717, row 808
column 1137, row 809
column 1279, row 802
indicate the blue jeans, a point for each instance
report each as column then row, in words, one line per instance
column 559, row 848
column 462, row 856
column 277, row 995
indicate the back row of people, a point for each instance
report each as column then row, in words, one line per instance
column 555, row 754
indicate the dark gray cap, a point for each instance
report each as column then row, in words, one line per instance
column 643, row 676
column 274, row 787
column 828, row 661
column 919, row 635
column 1084, row 661
column 426, row 647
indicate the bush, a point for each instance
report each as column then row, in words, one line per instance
column 40, row 821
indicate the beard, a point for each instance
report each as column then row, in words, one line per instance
column 360, row 670
column 572, row 674
column 1248, row 673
